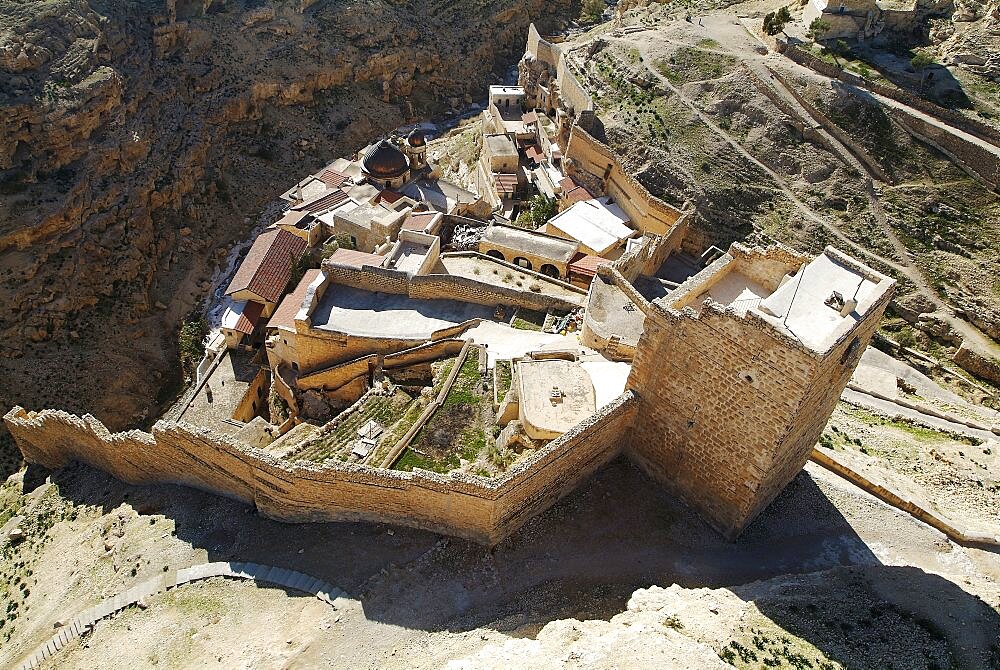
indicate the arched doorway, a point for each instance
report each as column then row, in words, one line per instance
column 550, row 270
column 523, row 262
column 493, row 253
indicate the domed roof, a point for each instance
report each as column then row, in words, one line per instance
column 385, row 160
column 416, row 138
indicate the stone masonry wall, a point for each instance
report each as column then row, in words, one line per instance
column 730, row 408
column 706, row 430
column 480, row 509
column 648, row 212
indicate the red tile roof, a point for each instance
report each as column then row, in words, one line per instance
column 248, row 319
column 506, row 183
column 578, row 194
column 535, row 153
column 323, row 202
column 268, row 265
column 418, row 220
column 529, row 117
column 586, row 264
column 389, row 196
column 284, row 316
column 355, row 259
column 333, row 179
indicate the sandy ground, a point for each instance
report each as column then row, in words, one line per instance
column 421, row 600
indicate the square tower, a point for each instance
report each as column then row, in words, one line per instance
column 739, row 369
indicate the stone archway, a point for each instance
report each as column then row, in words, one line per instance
column 493, row 253
column 523, row 262
column 550, row 270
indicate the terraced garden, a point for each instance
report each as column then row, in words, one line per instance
column 459, row 433
column 338, row 442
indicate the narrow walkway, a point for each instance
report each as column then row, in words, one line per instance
column 84, row 622
column 859, row 398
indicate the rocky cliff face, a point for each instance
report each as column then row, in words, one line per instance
column 136, row 138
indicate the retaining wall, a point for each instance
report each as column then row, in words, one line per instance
column 649, row 213
column 483, row 510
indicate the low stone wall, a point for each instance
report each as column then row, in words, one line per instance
column 443, row 287
column 336, row 376
column 649, row 213
column 976, row 159
column 969, row 125
column 425, row 353
column 483, row 510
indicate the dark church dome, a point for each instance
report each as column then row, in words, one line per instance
column 385, row 161
column 416, row 138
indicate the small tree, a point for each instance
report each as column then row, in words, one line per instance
column 920, row 62
column 591, row 11
column 818, row 28
column 191, row 342
column 540, row 210
column 774, row 22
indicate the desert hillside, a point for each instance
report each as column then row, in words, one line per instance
column 138, row 140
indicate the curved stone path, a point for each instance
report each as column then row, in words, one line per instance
column 84, row 622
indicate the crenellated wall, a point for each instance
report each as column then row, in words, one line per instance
column 483, row 510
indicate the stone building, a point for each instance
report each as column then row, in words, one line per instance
column 738, row 370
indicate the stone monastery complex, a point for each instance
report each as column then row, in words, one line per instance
column 397, row 347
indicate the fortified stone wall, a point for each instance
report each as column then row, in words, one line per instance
column 443, row 287
column 541, row 49
column 647, row 259
column 465, row 505
column 649, row 213
column 730, row 407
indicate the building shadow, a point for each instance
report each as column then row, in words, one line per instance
column 582, row 559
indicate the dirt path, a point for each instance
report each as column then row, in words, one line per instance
column 726, row 31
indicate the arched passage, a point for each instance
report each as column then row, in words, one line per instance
column 523, row 262
column 550, row 270
column 493, row 253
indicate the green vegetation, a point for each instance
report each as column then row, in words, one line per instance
column 338, row 442
column 774, row 22
column 818, row 28
column 920, row 62
column 591, row 11
column 528, row 319
column 693, row 64
column 191, row 342
column 504, row 376
column 457, row 431
column 540, row 210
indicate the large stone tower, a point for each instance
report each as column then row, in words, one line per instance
column 739, row 369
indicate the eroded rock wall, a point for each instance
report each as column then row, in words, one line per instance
column 136, row 140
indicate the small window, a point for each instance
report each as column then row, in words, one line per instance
column 295, row 366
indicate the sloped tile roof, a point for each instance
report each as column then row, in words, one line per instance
column 321, row 203
column 268, row 265
column 333, row 179
column 248, row 319
column 284, row 316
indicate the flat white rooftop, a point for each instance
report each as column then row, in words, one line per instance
column 799, row 306
column 597, row 224
column 352, row 311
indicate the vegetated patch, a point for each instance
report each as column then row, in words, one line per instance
column 459, row 430
column 338, row 442
column 504, row 375
column 689, row 64
column 528, row 319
